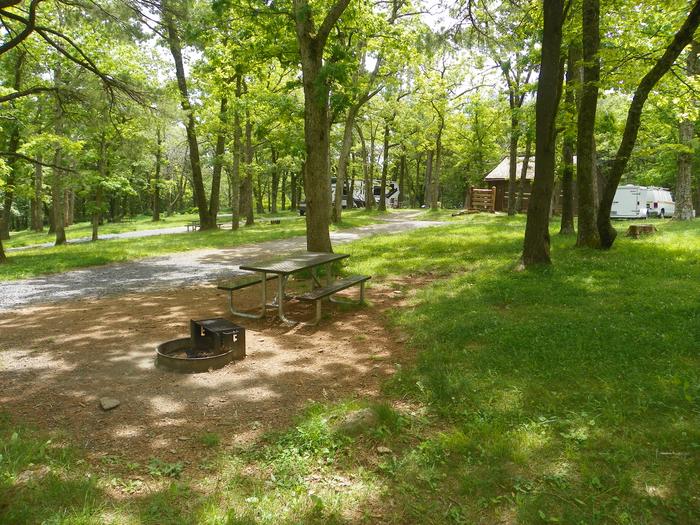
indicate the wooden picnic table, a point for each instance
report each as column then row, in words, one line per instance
column 281, row 269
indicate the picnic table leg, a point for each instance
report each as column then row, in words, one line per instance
column 263, row 303
column 281, row 282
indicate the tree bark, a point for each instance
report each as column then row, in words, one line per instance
column 341, row 174
column 200, row 197
column 369, row 193
column 568, row 144
column 219, row 150
column 311, row 42
column 236, row 164
column 102, row 168
column 513, row 159
column 435, row 176
column 156, row 178
column 385, row 168
column 402, row 177
column 37, row 224
column 537, row 242
column 634, row 115
column 12, row 147
column 686, row 132
column 585, row 142
column 274, row 182
column 247, row 186
column 523, row 172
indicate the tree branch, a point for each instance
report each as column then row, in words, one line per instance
column 331, row 18
column 25, row 92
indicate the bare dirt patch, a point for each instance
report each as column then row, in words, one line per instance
column 57, row 361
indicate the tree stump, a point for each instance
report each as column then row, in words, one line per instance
column 637, row 230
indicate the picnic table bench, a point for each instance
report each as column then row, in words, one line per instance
column 281, row 269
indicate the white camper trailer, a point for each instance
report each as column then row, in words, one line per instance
column 629, row 202
column 639, row 202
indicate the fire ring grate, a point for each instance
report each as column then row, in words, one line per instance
column 213, row 344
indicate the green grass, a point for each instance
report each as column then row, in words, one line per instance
column 137, row 223
column 568, row 394
column 39, row 261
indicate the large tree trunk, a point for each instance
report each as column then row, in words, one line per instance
column 385, row 168
column 568, row 144
column 341, row 174
column 311, row 41
column 634, row 115
column 686, row 132
column 537, row 242
column 218, row 162
column 402, row 177
column 585, row 143
column 200, row 197
column 57, row 193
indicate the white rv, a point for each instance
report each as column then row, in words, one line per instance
column 639, row 202
column 659, row 202
column 358, row 194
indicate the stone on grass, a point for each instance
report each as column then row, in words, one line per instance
column 28, row 476
column 384, row 450
column 108, row 403
column 357, row 421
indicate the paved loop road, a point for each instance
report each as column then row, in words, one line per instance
column 174, row 270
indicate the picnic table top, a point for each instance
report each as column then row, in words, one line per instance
column 294, row 263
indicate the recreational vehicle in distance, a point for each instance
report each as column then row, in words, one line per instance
column 358, row 194
column 659, row 203
column 640, row 202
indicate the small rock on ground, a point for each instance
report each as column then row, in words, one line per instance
column 108, row 403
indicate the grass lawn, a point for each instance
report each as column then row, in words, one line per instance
column 568, row 394
column 38, row 261
column 138, row 223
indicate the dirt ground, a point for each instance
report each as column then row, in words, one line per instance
column 57, row 361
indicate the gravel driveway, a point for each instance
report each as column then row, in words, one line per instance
column 178, row 269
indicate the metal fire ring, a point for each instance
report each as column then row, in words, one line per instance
column 188, row 365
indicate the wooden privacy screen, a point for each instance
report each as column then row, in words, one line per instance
column 483, row 200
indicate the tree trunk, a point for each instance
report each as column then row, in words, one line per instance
column 428, row 181
column 435, row 176
column 341, row 174
column 537, row 242
column 585, row 144
column 311, row 41
column 402, row 178
column 236, row 164
column 385, row 168
column 523, row 172
column 629, row 137
column 274, row 182
column 247, row 186
column 98, row 190
column 283, row 196
column 513, row 162
column 57, row 193
column 156, row 177
column 686, row 132
column 12, row 147
column 37, row 224
column 200, row 197
column 369, row 190
column 219, row 150
column 568, row 144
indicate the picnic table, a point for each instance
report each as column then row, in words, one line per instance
column 194, row 225
column 261, row 271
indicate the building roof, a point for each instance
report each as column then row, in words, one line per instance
column 501, row 172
